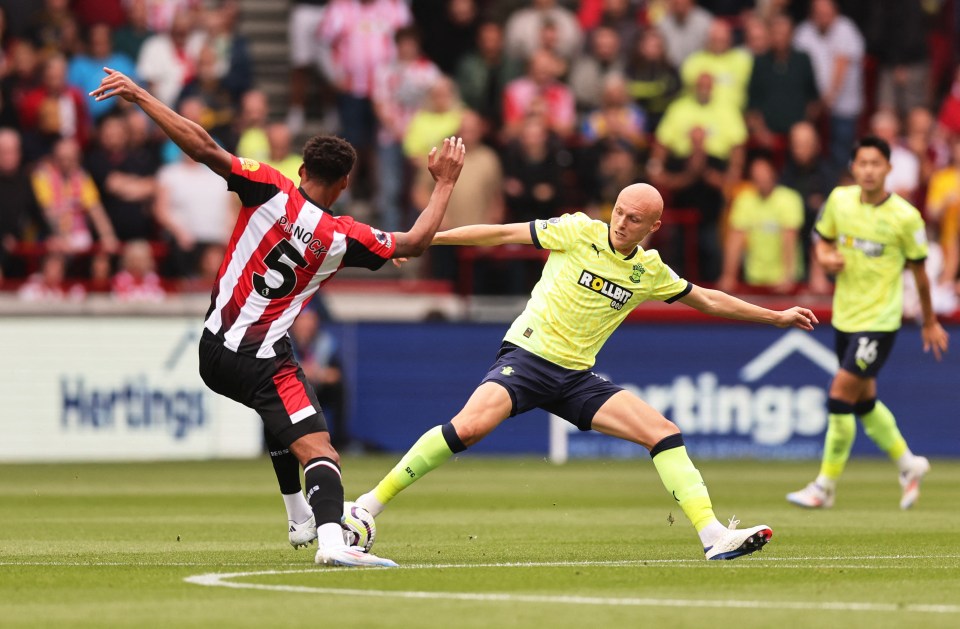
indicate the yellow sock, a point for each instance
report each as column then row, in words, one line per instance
column 429, row 452
column 881, row 426
column 841, row 431
column 683, row 480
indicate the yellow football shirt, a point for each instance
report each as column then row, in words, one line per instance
column 586, row 290
column 730, row 71
column 876, row 241
column 723, row 124
column 764, row 220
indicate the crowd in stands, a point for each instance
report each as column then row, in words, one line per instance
column 741, row 112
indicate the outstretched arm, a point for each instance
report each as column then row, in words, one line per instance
column 933, row 334
column 486, row 235
column 445, row 167
column 720, row 304
column 188, row 135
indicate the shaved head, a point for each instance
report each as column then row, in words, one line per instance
column 643, row 197
column 635, row 216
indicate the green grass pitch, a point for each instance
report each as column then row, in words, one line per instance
column 483, row 542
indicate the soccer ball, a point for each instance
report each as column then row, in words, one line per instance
column 359, row 529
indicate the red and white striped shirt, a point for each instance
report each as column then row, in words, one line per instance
column 360, row 37
column 283, row 248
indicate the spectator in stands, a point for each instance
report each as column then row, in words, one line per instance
column 399, row 89
column 763, row 233
column 728, row 66
column 251, row 126
column 69, row 198
column 540, row 93
column 439, row 117
column 927, row 141
column 482, row 76
column 523, row 30
column 306, row 52
column 782, row 89
column 167, row 60
column 612, row 136
column 140, row 139
column 211, row 90
column 949, row 115
column 532, row 173
column 807, row 172
column 129, row 38
column 282, row 157
column 699, row 151
column 477, row 199
column 653, row 82
column 125, row 178
column 4, row 44
column 836, row 51
column 85, row 70
column 49, row 284
column 20, row 216
column 317, row 351
column 195, row 209
column 685, row 28
column 756, row 35
column 20, row 79
column 55, row 109
column 619, row 15
column 452, row 25
column 897, row 37
column 590, row 72
column 943, row 210
column 50, row 24
column 162, row 14
column 360, row 34
column 137, row 279
column 234, row 64
column 904, row 176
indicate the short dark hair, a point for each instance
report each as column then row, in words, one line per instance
column 328, row 158
column 407, row 32
column 871, row 141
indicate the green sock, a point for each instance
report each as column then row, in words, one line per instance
column 683, row 480
column 841, row 431
column 881, row 427
column 428, row 453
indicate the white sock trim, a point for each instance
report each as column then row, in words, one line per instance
column 298, row 510
column 326, row 463
column 330, row 534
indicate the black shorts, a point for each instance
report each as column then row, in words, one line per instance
column 863, row 353
column 534, row 382
column 274, row 387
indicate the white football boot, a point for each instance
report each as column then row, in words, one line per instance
column 813, row 496
column 350, row 556
column 738, row 542
column 910, row 481
column 302, row 534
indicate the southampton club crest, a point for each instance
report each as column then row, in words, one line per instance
column 638, row 270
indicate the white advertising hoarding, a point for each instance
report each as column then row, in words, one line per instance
column 113, row 388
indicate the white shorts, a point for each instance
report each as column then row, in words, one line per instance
column 305, row 48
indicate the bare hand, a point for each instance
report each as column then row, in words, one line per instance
column 399, row 262
column 936, row 338
column 116, row 84
column 796, row 317
column 445, row 164
column 832, row 263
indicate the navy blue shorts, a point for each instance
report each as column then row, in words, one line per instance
column 863, row 353
column 534, row 382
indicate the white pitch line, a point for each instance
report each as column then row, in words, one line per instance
column 220, row 580
column 752, row 562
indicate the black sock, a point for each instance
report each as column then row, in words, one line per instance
column 324, row 490
column 285, row 465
